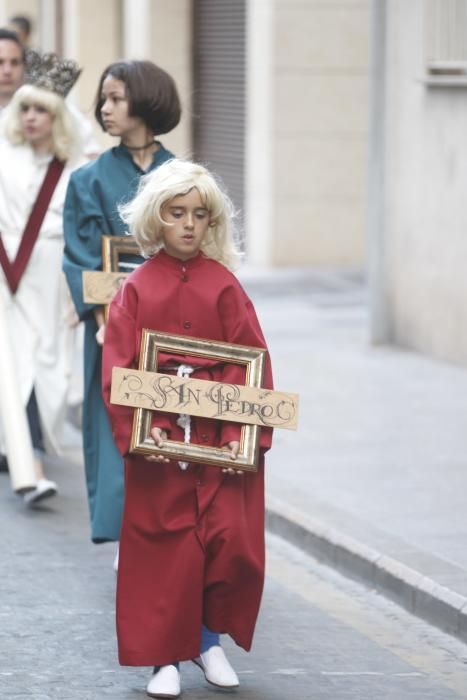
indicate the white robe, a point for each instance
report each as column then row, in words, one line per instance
column 39, row 331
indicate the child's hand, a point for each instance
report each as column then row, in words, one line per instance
column 158, row 435
column 100, row 335
column 234, row 448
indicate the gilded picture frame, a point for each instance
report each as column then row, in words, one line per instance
column 253, row 359
column 113, row 247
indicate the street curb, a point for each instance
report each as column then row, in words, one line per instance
column 409, row 588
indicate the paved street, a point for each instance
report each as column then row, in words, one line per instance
column 378, row 465
column 320, row 637
column 382, row 431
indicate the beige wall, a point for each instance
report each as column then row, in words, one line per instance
column 317, row 124
column 320, row 132
column 171, row 49
column 423, row 241
column 96, row 43
column 31, row 8
column 94, row 37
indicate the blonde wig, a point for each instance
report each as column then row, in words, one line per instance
column 65, row 140
column 143, row 214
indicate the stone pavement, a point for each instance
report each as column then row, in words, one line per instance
column 320, row 636
column 375, row 480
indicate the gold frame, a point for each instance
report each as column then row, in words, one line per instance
column 113, row 247
column 152, row 343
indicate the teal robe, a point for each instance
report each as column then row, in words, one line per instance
column 93, row 194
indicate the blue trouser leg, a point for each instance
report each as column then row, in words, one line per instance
column 208, row 639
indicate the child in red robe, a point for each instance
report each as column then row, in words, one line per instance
column 192, row 541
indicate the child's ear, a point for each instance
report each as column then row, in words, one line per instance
column 212, row 224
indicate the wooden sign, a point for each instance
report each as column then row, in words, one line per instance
column 199, row 397
column 224, row 400
column 101, row 287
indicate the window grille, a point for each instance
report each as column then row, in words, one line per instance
column 446, row 42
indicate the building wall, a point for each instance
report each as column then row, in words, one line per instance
column 170, row 47
column 314, row 65
column 307, row 107
column 99, row 33
column 31, row 8
column 422, row 236
column 93, row 38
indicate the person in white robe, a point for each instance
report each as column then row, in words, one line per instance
column 38, row 127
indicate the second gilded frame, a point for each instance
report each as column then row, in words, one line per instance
column 113, row 247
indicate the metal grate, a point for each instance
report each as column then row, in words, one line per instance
column 219, row 91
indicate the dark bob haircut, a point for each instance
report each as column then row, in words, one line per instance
column 151, row 92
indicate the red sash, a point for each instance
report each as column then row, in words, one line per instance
column 15, row 270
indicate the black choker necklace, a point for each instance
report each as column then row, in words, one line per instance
column 141, row 148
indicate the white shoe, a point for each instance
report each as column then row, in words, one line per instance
column 165, row 683
column 44, row 489
column 217, row 669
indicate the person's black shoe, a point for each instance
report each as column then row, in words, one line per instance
column 3, row 463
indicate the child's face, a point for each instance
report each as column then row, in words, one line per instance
column 114, row 109
column 36, row 124
column 189, row 221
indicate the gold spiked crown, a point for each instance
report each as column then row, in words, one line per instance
column 50, row 72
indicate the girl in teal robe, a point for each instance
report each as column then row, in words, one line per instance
column 136, row 101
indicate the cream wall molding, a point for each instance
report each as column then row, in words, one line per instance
column 136, row 28
column 48, row 25
column 259, row 132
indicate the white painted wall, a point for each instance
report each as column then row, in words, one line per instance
column 424, row 241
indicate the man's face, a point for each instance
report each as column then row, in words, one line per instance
column 11, row 69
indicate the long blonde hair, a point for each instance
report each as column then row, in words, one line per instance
column 65, row 140
column 143, row 214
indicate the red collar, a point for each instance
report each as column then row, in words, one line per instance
column 176, row 263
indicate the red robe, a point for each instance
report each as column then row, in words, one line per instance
column 192, row 542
